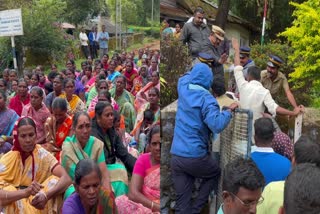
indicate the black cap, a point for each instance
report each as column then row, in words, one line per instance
column 274, row 61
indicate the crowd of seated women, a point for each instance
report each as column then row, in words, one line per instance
column 82, row 141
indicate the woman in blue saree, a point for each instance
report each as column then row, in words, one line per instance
column 7, row 119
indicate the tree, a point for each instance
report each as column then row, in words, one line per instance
column 222, row 15
column 43, row 39
column 304, row 37
column 78, row 11
column 136, row 12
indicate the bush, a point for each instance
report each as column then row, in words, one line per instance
column 149, row 31
column 43, row 39
column 174, row 63
column 304, row 37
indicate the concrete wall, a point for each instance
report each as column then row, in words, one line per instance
column 238, row 32
column 168, row 115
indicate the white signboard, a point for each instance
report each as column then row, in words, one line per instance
column 11, row 23
column 298, row 127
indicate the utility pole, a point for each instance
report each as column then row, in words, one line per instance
column 120, row 27
column 152, row 13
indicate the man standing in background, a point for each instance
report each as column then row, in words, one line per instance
column 103, row 39
column 195, row 33
column 93, row 42
column 84, row 42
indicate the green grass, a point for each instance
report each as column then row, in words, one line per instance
column 146, row 40
column 140, row 28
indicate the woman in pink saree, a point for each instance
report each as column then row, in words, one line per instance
column 144, row 191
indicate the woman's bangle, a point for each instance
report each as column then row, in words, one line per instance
column 151, row 205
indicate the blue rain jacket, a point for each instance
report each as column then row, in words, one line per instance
column 198, row 114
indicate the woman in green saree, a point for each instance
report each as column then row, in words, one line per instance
column 82, row 146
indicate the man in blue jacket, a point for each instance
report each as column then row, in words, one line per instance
column 198, row 116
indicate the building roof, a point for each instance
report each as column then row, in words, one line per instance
column 181, row 10
column 110, row 27
column 66, row 25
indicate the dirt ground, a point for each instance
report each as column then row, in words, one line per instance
column 153, row 46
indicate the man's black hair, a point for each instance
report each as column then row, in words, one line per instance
column 198, row 10
column 244, row 173
column 307, row 151
column 264, row 130
column 218, row 87
column 302, row 190
column 254, row 72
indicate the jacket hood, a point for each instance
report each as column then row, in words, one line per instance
column 202, row 75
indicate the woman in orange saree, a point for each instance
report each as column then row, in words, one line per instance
column 57, row 127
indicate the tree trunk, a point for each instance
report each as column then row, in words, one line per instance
column 222, row 15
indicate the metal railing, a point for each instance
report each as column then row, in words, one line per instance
column 235, row 141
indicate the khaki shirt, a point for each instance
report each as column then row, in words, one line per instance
column 274, row 86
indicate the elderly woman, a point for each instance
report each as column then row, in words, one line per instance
column 57, row 127
column 144, row 193
column 7, row 119
column 80, row 146
column 75, row 103
column 88, row 175
column 31, row 179
column 22, row 98
column 38, row 111
column 102, row 128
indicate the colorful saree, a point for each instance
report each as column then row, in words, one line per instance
column 150, row 189
column 118, row 178
column 137, row 85
column 130, row 76
column 125, row 101
column 39, row 117
column 76, row 104
column 17, row 105
column 56, row 135
column 139, row 121
column 7, row 121
column 72, row 153
column 139, row 101
column 112, row 76
column 15, row 175
column 105, row 204
column 92, row 94
column 95, row 100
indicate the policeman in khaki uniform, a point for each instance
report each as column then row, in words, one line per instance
column 275, row 81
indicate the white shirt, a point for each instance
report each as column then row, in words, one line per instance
column 83, row 39
column 254, row 96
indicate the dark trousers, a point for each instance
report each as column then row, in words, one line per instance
column 184, row 172
column 93, row 51
column 85, row 51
